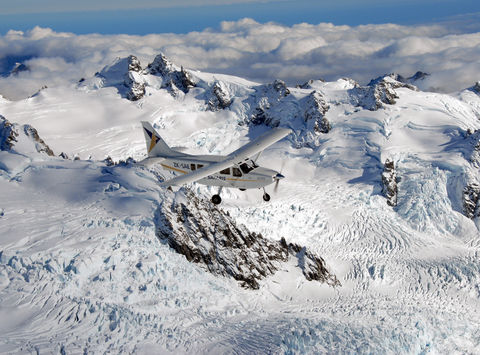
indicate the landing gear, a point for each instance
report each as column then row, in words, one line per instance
column 266, row 197
column 216, row 199
column 242, row 189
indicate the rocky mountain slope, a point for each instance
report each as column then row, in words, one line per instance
column 370, row 244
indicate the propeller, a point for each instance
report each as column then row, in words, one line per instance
column 279, row 177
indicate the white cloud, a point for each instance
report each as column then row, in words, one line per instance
column 261, row 52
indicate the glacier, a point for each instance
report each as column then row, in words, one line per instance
column 82, row 268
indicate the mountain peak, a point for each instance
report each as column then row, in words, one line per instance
column 161, row 66
column 23, row 139
column 476, row 87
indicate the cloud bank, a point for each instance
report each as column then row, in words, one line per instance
column 260, row 52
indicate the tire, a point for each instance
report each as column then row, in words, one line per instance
column 266, row 197
column 216, row 199
column 242, row 189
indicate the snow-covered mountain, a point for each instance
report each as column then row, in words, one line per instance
column 371, row 243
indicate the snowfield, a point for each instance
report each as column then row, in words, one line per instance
column 83, row 271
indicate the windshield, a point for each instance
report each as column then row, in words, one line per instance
column 248, row 166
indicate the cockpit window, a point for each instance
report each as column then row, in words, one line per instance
column 236, row 172
column 248, row 166
column 225, row 171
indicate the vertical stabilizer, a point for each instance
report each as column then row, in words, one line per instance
column 156, row 146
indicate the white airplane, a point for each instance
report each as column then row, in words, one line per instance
column 235, row 170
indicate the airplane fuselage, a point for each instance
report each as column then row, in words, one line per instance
column 235, row 170
column 246, row 175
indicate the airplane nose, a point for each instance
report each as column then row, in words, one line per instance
column 278, row 176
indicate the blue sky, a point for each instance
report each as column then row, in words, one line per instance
column 183, row 16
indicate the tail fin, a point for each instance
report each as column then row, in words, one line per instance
column 156, row 146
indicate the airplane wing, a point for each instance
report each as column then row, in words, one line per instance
column 259, row 144
column 150, row 161
column 236, row 157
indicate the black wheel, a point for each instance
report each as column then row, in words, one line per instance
column 216, row 199
column 242, row 189
column 266, row 197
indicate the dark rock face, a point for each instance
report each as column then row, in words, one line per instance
column 261, row 116
column 471, row 191
column 474, row 142
column 322, row 125
column 220, row 98
column 471, row 197
column 419, row 75
column 279, row 87
column 210, row 237
column 379, row 92
column 352, row 82
column 267, row 98
column 19, row 68
column 476, row 87
column 313, row 266
column 108, row 161
column 40, row 145
column 136, row 88
column 173, row 79
column 128, row 76
column 267, row 106
column 316, row 109
column 308, row 84
column 133, row 81
column 160, row 66
column 8, row 135
column 134, row 64
column 389, row 181
column 125, row 75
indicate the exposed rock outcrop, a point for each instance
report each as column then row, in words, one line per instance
column 125, row 75
column 174, row 79
column 474, row 142
column 220, row 98
column 316, row 108
column 419, row 75
column 309, row 84
column 279, row 87
column 40, row 145
column 8, row 135
column 133, row 81
column 471, row 197
column 476, row 87
column 19, row 68
column 273, row 105
column 11, row 134
column 267, row 98
column 134, row 64
column 379, row 92
column 471, row 190
column 210, row 237
column 389, row 182
column 135, row 86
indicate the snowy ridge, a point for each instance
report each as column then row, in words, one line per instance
column 82, row 268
